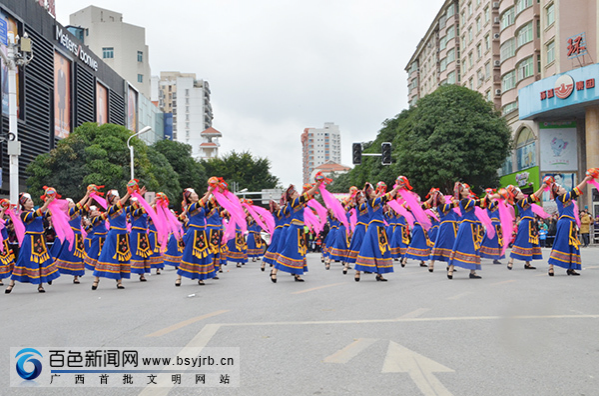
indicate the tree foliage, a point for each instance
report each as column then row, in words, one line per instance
column 248, row 171
column 451, row 135
column 99, row 155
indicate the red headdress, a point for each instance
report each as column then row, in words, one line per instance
column 4, row 204
column 94, row 188
column 403, row 182
column 381, row 187
column 320, row 176
column 49, row 192
column 353, row 190
column 111, row 194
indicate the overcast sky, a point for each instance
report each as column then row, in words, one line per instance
column 276, row 67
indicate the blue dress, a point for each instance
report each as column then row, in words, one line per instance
column 375, row 253
column 432, row 235
column 156, row 257
column 566, row 247
column 237, row 247
column 339, row 244
column 255, row 245
column 196, row 262
column 270, row 256
column 293, row 250
column 359, row 233
column 70, row 260
column 331, row 236
column 400, row 240
column 87, row 241
column 141, row 249
column 420, row 246
column 470, row 235
column 113, row 262
column 492, row 247
column 448, row 230
column 7, row 257
column 34, row 264
column 526, row 246
column 99, row 236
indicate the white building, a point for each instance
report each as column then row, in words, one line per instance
column 188, row 100
column 319, row 146
column 121, row 45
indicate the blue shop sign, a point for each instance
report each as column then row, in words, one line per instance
column 556, row 92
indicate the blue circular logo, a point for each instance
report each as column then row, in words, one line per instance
column 26, row 356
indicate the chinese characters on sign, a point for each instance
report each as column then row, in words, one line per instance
column 577, row 46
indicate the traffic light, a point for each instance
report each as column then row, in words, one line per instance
column 386, row 153
column 357, row 153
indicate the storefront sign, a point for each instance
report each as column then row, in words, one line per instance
column 527, row 179
column 577, row 46
column 567, row 89
column 75, row 49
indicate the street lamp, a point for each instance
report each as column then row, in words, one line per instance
column 13, row 59
column 144, row 130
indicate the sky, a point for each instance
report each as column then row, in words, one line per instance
column 276, row 67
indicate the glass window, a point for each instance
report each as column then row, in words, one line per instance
column 140, row 78
column 443, row 64
column 470, row 9
column 451, row 78
column 488, row 69
column 471, row 83
column 478, row 25
column 525, row 68
column 140, row 56
column 479, row 51
column 487, row 43
column 525, row 34
column 487, row 14
column 521, row 5
column 507, row 166
column 450, row 33
column 508, row 81
column 442, row 43
column 488, row 95
column 450, row 56
column 470, row 34
column 470, row 60
column 526, row 153
column 480, row 77
column 507, row 49
column 507, row 19
column 450, row 11
column 550, row 14
column 108, row 52
column 550, row 52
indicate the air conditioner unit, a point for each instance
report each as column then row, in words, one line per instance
column 495, row 4
column 497, row 92
column 496, row 20
column 496, row 36
column 496, row 63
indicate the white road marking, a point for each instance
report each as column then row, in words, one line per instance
column 351, row 351
column 414, row 314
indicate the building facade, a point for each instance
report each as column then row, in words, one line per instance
column 513, row 52
column 188, row 99
column 65, row 85
column 320, row 145
column 121, row 45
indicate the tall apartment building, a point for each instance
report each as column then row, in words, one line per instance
column 121, row 45
column 535, row 60
column 188, row 99
column 319, row 146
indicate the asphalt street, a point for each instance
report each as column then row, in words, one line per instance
column 516, row 332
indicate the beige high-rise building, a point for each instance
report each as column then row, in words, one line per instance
column 535, row 60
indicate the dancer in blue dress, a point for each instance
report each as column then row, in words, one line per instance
column 174, row 251
column 448, row 230
column 270, row 255
column 196, row 262
column 140, row 247
column 339, row 246
column 70, row 260
column 214, row 232
column 97, row 220
column 255, row 244
column 375, row 255
column 330, row 237
column 565, row 252
column 492, row 247
column 420, row 245
column 292, row 257
column 526, row 246
column 400, row 240
column 113, row 262
column 360, row 231
column 7, row 257
column 34, row 264
column 465, row 252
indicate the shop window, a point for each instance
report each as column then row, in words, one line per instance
column 526, row 153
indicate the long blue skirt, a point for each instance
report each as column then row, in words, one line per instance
column 270, row 256
column 419, row 248
column 338, row 250
column 196, row 262
column 113, row 262
column 34, row 267
column 375, row 253
column 356, row 243
column 445, row 241
column 566, row 247
column 492, row 247
column 291, row 258
column 526, row 246
column 467, row 245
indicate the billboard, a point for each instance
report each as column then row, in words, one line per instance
column 62, row 96
column 527, row 179
column 131, row 108
column 11, row 26
column 559, row 148
column 566, row 180
column 101, row 104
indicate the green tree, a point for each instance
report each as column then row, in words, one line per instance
column 248, row 171
column 99, row 155
column 452, row 135
column 191, row 173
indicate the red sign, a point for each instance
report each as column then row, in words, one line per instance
column 564, row 86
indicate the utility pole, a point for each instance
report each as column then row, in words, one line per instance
column 19, row 53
